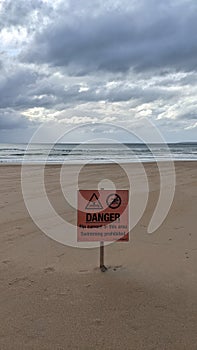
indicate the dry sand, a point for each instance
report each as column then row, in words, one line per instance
column 54, row 297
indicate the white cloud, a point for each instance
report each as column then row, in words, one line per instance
column 193, row 126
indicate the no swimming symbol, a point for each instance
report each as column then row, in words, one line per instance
column 113, row 201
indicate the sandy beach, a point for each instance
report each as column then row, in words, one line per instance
column 54, row 297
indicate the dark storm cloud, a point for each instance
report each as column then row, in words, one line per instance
column 153, row 35
column 15, row 85
column 26, row 88
column 9, row 119
column 122, row 93
column 191, row 115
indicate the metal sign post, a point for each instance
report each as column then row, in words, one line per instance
column 102, row 265
column 103, row 268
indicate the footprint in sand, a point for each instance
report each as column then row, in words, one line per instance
column 22, row 280
column 97, row 321
column 6, row 262
column 117, row 267
column 83, row 271
column 114, row 268
column 49, row 269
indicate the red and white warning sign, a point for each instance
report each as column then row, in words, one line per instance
column 102, row 215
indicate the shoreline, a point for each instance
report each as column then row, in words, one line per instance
column 96, row 163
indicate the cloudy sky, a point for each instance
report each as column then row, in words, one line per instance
column 94, row 61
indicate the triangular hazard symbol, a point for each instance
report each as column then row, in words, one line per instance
column 94, row 203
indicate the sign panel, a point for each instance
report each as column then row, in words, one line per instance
column 102, row 215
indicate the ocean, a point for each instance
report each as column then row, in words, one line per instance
column 96, row 153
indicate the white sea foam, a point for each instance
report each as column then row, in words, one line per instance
column 94, row 153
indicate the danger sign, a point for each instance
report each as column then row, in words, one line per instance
column 102, row 215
